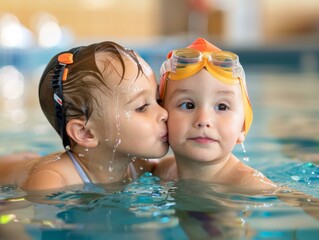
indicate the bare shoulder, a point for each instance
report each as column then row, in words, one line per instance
column 253, row 178
column 166, row 169
column 14, row 167
column 237, row 173
column 51, row 172
column 44, row 179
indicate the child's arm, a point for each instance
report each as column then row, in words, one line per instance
column 19, row 156
column 295, row 198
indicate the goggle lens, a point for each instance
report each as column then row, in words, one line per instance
column 224, row 59
column 186, row 56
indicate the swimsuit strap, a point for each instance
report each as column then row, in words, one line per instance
column 79, row 169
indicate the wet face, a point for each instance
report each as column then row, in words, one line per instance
column 205, row 117
column 130, row 122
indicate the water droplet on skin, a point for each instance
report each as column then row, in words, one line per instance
column 106, row 139
column 133, row 159
column 86, row 150
column 128, row 115
column 110, row 169
column 141, row 168
column 81, row 155
column 118, row 142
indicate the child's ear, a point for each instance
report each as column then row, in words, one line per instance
column 242, row 136
column 80, row 133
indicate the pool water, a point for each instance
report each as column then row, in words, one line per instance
column 283, row 143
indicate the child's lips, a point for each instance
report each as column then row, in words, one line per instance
column 203, row 139
column 164, row 137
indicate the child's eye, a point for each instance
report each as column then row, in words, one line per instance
column 142, row 108
column 187, row 105
column 222, row 107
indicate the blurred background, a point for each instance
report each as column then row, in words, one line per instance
column 270, row 37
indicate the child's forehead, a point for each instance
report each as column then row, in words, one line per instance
column 120, row 73
column 203, row 82
column 121, row 64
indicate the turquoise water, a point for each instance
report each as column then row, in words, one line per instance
column 283, row 143
column 150, row 209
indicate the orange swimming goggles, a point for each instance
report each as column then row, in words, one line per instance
column 223, row 65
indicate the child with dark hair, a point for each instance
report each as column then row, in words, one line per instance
column 102, row 101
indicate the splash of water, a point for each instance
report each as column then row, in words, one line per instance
column 57, row 158
column 245, row 158
column 118, row 140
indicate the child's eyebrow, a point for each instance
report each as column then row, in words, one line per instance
column 180, row 91
column 226, row 92
column 135, row 96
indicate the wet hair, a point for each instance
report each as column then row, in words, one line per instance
column 83, row 78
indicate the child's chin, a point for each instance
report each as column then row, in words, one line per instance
column 162, row 153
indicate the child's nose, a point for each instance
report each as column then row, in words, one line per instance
column 163, row 114
column 204, row 119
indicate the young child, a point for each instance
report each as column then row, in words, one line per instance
column 204, row 91
column 102, row 101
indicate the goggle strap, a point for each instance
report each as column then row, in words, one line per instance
column 247, row 106
column 57, row 99
column 60, row 74
column 167, row 66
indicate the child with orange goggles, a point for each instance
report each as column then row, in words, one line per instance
column 204, row 91
column 223, row 65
